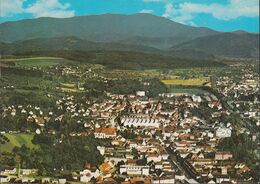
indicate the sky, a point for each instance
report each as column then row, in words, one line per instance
column 221, row 15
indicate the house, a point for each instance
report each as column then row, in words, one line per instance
column 165, row 156
column 163, row 180
column 28, row 171
column 140, row 93
column 46, row 180
column 154, row 157
column 62, row 181
column 223, row 132
column 101, row 149
column 196, row 98
column 27, row 180
column 105, row 133
column 86, row 175
column 8, row 171
column 134, row 170
column 224, row 155
column 106, row 166
column 4, row 179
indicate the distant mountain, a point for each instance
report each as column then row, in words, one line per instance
column 68, row 44
column 76, row 44
column 157, row 42
column 133, row 33
column 233, row 45
column 102, row 28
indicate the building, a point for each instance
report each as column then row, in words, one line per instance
column 163, row 180
column 4, row 179
column 105, row 133
column 140, row 93
column 140, row 122
column 223, row 132
column 86, row 175
column 154, row 157
column 225, row 155
column 134, row 170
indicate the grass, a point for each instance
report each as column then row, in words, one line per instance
column 186, row 90
column 69, row 90
column 18, row 140
column 38, row 61
column 187, row 82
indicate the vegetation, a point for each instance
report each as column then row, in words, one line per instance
column 187, row 82
column 126, row 59
column 127, row 86
column 37, row 61
column 17, row 140
column 57, row 154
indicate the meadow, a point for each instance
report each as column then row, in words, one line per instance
column 17, row 139
column 186, row 90
column 38, row 61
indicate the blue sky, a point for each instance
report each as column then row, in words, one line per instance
column 222, row 15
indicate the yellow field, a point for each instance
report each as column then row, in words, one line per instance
column 187, row 82
column 69, row 85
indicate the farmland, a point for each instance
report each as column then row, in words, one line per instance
column 38, row 61
column 187, row 82
column 186, row 90
column 17, row 139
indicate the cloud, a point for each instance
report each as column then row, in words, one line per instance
column 185, row 12
column 146, row 11
column 169, row 10
column 50, row 8
column 40, row 8
column 8, row 7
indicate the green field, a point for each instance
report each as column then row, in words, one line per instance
column 38, row 61
column 186, row 90
column 17, row 140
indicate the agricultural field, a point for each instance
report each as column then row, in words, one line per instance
column 38, row 61
column 17, row 139
column 186, row 90
column 187, row 82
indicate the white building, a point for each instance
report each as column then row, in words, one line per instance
column 154, row 158
column 4, row 179
column 62, row 181
column 140, row 122
column 167, row 180
column 105, row 133
column 223, row 132
column 196, row 98
column 86, row 175
column 140, row 93
column 134, row 170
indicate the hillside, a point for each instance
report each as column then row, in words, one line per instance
column 66, row 44
column 127, row 60
column 234, row 45
column 107, row 27
column 17, row 140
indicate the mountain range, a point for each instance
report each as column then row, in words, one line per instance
column 132, row 33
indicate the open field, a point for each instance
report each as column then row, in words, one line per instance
column 68, row 85
column 187, row 82
column 38, row 61
column 17, row 140
column 186, row 90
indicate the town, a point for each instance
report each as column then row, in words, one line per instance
column 89, row 126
